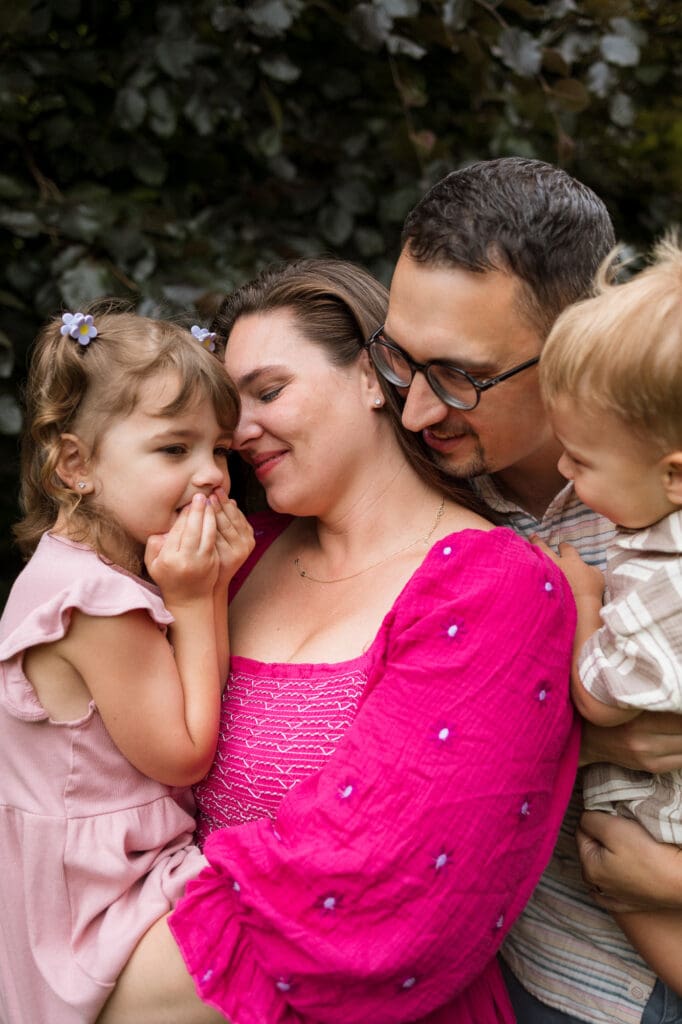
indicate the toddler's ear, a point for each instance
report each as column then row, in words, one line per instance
column 73, row 464
column 672, row 477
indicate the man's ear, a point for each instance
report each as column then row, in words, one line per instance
column 671, row 466
column 73, row 465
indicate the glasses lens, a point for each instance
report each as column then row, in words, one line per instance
column 453, row 386
column 390, row 364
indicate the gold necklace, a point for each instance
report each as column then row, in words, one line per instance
column 304, row 574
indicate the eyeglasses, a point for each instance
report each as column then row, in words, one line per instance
column 455, row 387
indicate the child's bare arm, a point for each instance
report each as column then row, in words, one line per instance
column 161, row 704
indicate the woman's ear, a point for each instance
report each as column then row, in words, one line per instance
column 73, row 465
column 370, row 382
column 672, row 477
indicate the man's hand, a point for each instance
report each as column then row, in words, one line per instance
column 626, row 869
column 651, row 742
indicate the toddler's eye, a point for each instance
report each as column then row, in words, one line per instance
column 173, row 449
column 222, row 452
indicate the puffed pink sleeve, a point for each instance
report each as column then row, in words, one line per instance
column 388, row 880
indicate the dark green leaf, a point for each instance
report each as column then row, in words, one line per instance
column 400, row 8
column 520, row 51
column 456, row 14
column 619, row 50
column 354, row 196
column 369, row 26
column 130, row 109
column 280, row 68
column 571, row 93
column 336, row 224
column 621, row 110
column 6, row 355
column 273, row 17
column 162, row 112
column 84, row 282
column 24, row 223
column 10, row 415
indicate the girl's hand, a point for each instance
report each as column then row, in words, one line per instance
column 234, row 537
column 625, row 867
column 585, row 580
column 184, row 562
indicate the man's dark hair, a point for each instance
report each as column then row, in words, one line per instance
column 520, row 216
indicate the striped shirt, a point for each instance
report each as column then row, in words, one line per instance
column 564, row 949
column 635, row 661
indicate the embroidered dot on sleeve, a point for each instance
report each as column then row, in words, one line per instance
column 447, row 550
column 236, row 887
column 500, row 922
column 524, row 810
column 329, row 902
column 549, row 587
column 283, row 985
column 453, row 630
column 344, row 792
column 543, row 693
column 440, row 861
column 409, row 983
column 207, row 975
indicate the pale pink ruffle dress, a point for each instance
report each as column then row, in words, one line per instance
column 391, row 872
column 91, row 851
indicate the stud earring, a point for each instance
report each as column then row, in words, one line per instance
column 378, row 402
column 81, row 485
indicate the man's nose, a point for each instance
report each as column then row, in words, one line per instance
column 423, row 408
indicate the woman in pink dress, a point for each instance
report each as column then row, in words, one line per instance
column 397, row 742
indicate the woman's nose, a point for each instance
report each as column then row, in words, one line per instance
column 247, row 429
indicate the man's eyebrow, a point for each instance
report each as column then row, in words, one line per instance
column 481, row 370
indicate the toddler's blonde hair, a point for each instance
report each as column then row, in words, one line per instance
column 621, row 350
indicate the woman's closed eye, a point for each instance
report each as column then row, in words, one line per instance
column 271, row 394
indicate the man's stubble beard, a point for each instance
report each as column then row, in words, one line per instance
column 475, row 465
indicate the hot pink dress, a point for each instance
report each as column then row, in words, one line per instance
column 384, row 883
column 91, row 851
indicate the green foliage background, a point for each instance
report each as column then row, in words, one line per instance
column 165, row 151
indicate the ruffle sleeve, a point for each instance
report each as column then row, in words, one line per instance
column 93, row 587
column 388, row 880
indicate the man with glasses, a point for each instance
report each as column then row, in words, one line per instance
column 490, row 257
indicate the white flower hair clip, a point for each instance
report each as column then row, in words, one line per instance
column 205, row 337
column 78, row 326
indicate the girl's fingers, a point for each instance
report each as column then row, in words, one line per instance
column 191, row 522
column 232, row 524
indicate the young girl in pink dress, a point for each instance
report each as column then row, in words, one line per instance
column 113, row 648
column 397, row 743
